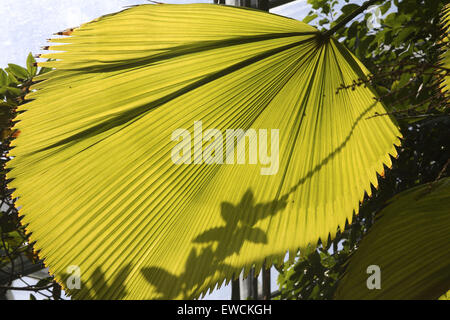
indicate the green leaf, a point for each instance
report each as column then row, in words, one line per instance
column 3, row 78
column 408, row 243
column 328, row 262
column 323, row 21
column 385, row 7
column 403, row 34
column 310, row 18
column 352, row 30
column 17, row 71
column 11, row 78
column 404, row 79
column 14, row 239
column 14, row 91
column 392, row 20
column 98, row 130
column 349, row 8
column 32, row 69
column 44, row 282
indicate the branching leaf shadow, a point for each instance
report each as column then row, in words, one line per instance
column 212, row 247
column 240, row 221
column 97, row 285
column 169, row 286
column 239, row 227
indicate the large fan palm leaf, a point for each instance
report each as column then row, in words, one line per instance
column 92, row 165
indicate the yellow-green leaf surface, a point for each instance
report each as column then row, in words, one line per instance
column 409, row 243
column 92, row 165
column 445, row 56
column 445, row 296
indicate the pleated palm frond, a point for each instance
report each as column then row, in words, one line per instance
column 93, row 165
column 445, row 56
column 445, row 296
column 409, row 243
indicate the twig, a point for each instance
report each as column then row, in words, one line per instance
column 29, row 288
column 443, row 169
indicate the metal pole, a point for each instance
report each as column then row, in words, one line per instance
column 254, row 280
column 235, row 290
column 266, row 283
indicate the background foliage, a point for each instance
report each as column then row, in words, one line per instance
column 16, row 254
column 403, row 56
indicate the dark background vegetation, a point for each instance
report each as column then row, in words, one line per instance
column 403, row 57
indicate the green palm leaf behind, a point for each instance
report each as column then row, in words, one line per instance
column 92, row 166
column 409, row 242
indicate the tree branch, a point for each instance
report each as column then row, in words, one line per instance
column 30, row 288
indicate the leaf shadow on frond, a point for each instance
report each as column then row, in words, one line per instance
column 97, row 285
column 239, row 227
column 240, row 223
column 227, row 240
